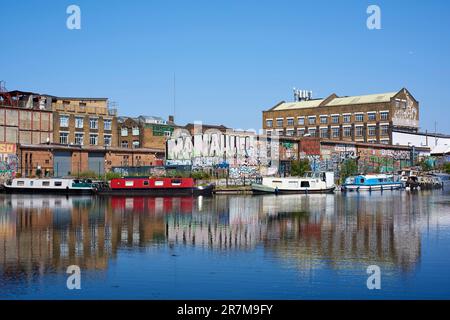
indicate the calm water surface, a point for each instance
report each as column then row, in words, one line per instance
column 226, row 247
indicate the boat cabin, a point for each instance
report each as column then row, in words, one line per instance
column 151, row 183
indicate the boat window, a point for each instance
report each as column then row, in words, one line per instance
column 76, row 181
column 45, row 183
column 146, row 182
column 20, row 183
column 129, row 183
column 58, row 183
column 362, row 180
column 176, row 182
column 31, row 183
column 276, row 181
column 159, row 183
column 304, row 184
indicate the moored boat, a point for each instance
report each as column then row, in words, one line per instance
column 372, row 182
column 154, row 186
column 49, row 185
column 312, row 182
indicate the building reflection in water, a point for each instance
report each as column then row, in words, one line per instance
column 41, row 234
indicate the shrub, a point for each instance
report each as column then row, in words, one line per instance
column 447, row 167
column 348, row 168
column 300, row 167
column 112, row 175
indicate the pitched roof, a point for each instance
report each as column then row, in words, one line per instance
column 338, row 101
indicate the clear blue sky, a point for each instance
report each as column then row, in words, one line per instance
column 232, row 59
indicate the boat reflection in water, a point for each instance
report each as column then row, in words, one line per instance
column 45, row 234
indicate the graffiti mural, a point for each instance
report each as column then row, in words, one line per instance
column 9, row 162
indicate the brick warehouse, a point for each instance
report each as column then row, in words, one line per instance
column 368, row 118
column 63, row 160
column 84, row 121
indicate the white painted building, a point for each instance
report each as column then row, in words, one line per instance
column 420, row 139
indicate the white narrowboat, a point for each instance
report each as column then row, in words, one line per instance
column 312, row 182
column 51, row 185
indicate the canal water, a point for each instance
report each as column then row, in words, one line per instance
column 226, row 247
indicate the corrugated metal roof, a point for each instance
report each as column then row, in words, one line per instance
column 299, row 105
column 364, row 99
column 441, row 149
column 370, row 98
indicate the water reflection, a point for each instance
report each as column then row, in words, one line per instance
column 40, row 234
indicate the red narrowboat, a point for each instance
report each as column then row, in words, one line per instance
column 155, row 186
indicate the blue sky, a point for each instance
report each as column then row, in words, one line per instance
column 232, row 59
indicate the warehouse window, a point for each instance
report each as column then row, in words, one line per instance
column 124, row 144
column 312, row 120
column 79, row 137
column 64, row 121
column 135, row 131
column 347, row 131
column 107, row 140
column 372, row 130
column 384, row 130
column 280, row 122
column 93, row 123
column 371, row 116
column 93, row 139
column 335, row 119
column 301, row 120
column 135, row 144
column 359, row 117
column 269, row 123
column 346, row 118
column 359, row 131
column 79, row 122
column 335, row 132
column 107, row 123
column 64, row 137
column 290, row 121
column 384, row 115
column 323, row 119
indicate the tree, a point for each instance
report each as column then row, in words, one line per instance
column 300, row 167
column 447, row 167
column 348, row 168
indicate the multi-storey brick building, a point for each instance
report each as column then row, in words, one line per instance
column 84, row 122
column 144, row 132
column 369, row 118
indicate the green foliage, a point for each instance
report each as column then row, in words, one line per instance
column 425, row 165
column 176, row 174
column 447, row 167
column 300, row 167
column 112, row 175
column 200, row 175
column 348, row 168
column 88, row 174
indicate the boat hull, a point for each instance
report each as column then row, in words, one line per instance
column 196, row 191
column 15, row 190
column 355, row 187
column 261, row 189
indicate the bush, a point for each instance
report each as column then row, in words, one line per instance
column 447, row 167
column 300, row 167
column 200, row 175
column 88, row 174
column 348, row 168
column 112, row 175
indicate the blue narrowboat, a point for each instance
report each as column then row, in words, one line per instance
column 372, row 182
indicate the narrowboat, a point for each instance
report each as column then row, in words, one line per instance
column 50, row 185
column 154, row 186
column 312, row 182
column 372, row 182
